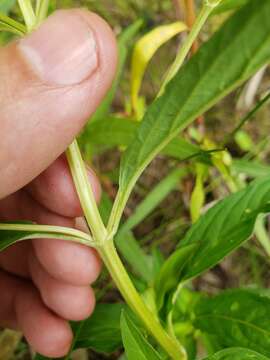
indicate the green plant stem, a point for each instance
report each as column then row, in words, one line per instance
column 41, row 10
column 103, row 240
column 85, row 192
column 124, row 284
column 200, row 21
column 108, row 253
column 28, row 14
column 49, row 229
column 206, row 10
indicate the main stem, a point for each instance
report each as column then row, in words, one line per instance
column 109, row 255
column 104, row 240
column 119, row 274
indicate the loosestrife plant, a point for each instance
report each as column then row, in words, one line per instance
column 239, row 49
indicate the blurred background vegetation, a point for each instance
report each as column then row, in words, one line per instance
column 245, row 156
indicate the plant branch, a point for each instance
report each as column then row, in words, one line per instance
column 42, row 7
column 103, row 240
column 85, row 192
column 28, row 14
column 48, row 230
column 206, row 10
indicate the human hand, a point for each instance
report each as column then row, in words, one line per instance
column 50, row 82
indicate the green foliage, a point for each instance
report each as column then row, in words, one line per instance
column 236, row 318
column 228, row 5
column 225, row 227
column 237, row 354
column 101, row 331
column 10, row 25
column 169, row 316
column 203, row 88
column 135, row 344
column 168, row 277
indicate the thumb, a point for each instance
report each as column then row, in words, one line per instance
column 50, row 82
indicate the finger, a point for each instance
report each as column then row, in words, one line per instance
column 15, row 259
column 9, row 287
column 57, row 82
column 70, row 302
column 55, row 190
column 45, row 332
column 65, row 261
column 69, row 262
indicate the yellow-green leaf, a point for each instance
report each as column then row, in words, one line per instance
column 143, row 52
column 198, row 195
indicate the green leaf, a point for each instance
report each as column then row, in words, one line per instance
column 216, row 70
column 168, row 277
column 10, row 25
column 222, row 229
column 236, row 318
column 13, row 233
column 237, row 354
column 112, row 132
column 144, row 50
column 228, row 5
column 101, row 331
column 198, row 194
column 135, row 344
column 244, row 141
column 225, row 227
column 253, row 169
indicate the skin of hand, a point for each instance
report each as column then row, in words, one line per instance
column 51, row 81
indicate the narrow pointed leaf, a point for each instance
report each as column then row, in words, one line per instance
column 168, row 277
column 250, row 168
column 229, row 58
column 244, row 316
column 221, row 230
column 225, row 227
column 10, row 25
column 135, row 344
column 145, row 49
column 237, row 354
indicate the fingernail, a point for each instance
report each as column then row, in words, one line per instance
column 63, row 50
